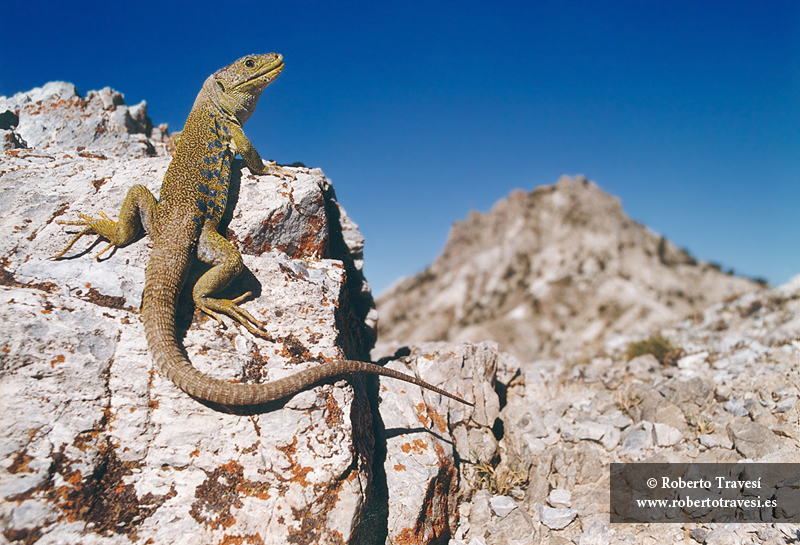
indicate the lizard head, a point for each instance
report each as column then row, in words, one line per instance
column 237, row 87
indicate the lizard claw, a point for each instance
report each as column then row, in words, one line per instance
column 231, row 308
column 104, row 250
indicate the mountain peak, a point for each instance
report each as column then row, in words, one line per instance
column 549, row 272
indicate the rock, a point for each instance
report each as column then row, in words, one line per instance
column 480, row 513
column 595, row 534
column 421, row 471
column 654, row 407
column 759, row 413
column 616, row 419
column 560, row 497
column 707, row 440
column 638, row 439
column 557, row 518
column 786, row 404
column 517, row 527
column 502, row 505
column 692, row 361
column 691, row 396
column 643, row 367
column 753, row 440
column 722, row 536
column 606, row 434
column 666, row 436
column 55, row 118
column 736, row 408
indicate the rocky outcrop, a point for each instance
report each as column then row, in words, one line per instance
column 554, row 272
column 98, row 447
column 56, row 118
column 732, row 396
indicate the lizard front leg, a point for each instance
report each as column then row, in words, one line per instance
column 214, row 249
column 138, row 210
column 245, row 148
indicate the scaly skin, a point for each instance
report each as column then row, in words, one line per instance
column 183, row 225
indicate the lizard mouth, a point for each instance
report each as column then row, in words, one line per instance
column 269, row 76
column 271, row 71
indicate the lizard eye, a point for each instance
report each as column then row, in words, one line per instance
column 249, row 63
column 221, row 86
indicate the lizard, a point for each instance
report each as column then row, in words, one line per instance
column 183, row 225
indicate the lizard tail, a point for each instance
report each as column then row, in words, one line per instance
column 159, row 302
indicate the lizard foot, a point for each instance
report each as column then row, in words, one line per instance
column 104, row 227
column 231, row 308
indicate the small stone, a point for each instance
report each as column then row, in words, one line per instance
column 699, row 534
column 692, row 361
column 639, row 438
column 707, row 440
column 736, row 408
column 616, row 419
column 671, row 415
column 596, row 534
column 644, row 367
column 665, row 435
column 591, row 431
column 783, row 392
column 753, row 440
column 502, row 505
column 560, row 497
column 721, row 536
column 557, row 518
column 723, row 392
column 786, row 404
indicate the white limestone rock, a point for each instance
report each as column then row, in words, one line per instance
column 427, row 433
column 55, row 118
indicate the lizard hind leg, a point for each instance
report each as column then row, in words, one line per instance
column 214, row 249
column 137, row 211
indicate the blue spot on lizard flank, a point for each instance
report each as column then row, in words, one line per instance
column 201, row 205
column 218, row 143
column 225, row 129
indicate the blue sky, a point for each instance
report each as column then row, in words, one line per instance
column 688, row 111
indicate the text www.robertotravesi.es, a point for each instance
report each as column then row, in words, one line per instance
column 714, row 503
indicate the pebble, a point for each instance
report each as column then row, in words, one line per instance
column 502, row 505
column 736, row 408
column 560, row 497
column 557, row 518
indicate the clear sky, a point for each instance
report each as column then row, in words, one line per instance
column 688, row 111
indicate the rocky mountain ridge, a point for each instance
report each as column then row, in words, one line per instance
column 555, row 272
